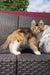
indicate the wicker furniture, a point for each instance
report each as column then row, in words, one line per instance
column 27, row 63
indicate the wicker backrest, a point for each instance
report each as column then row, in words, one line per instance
column 25, row 21
column 8, row 23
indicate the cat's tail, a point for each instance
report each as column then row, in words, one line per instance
column 5, row 45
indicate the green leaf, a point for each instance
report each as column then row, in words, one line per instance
column 14, row 5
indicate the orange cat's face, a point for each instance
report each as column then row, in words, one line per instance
column 37, row 28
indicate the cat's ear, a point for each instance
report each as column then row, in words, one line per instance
column 33, row 23
column 41, row 23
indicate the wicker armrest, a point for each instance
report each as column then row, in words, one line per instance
column 29, row 64
column 7, row 64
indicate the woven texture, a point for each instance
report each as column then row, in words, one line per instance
column 29, row 64
column 7, row 64
column 5, row 51
column 8, row 23
column 25, row 21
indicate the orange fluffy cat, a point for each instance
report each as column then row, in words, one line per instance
column 24, row 37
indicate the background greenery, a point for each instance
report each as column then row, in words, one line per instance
column 14, row 5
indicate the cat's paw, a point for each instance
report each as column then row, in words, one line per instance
column 18, row 53
column 37, row 52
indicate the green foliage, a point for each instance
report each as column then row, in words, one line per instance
column 14, row 5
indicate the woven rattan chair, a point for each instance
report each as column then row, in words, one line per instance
column 27, row 63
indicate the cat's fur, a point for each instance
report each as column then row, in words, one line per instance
column 44, row 43
column 24, row 37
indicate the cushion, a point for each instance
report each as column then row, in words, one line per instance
column 8, row 23
column 25, row 21
column 45, row 40
column 30, row 64
column 7, row 64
